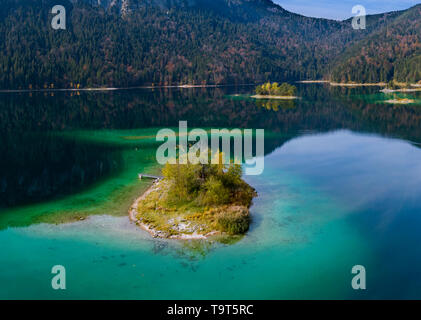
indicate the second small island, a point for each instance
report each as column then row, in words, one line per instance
column 275, row 91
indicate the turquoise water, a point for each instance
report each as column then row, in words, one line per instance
column 313, row 220
column 334, row 194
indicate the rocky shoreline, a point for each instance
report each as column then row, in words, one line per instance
column 183, row 226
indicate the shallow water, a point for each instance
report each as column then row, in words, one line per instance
column 340, row 187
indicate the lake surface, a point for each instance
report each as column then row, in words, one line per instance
column 341, row 187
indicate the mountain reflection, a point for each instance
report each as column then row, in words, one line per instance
column 37, row 164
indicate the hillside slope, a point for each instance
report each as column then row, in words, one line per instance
column 391, row 52
column 167, row 42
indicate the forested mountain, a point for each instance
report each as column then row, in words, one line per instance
column 393, row 51
column 171, row 42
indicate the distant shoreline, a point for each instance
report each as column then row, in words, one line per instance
column 345, row 84
column 415, row 86
column 385, row 90
column 313, row 81
column 185, row 86
column 57, row 90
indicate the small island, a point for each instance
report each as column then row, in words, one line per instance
column 195, row 201
column 275, row 91
column 394, row 86
column 400, row 101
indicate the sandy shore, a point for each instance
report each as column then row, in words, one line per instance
column 400, row 90
column 57, row 90
column 416, row 86
column 314, row 81
column 345, row 84
column 186, row 86
column 338, row 84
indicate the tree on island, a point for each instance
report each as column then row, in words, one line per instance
column 211, row 195
column 274, row 89
column 207, row 184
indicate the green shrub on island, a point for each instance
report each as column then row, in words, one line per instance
column 234, row 222
column 199, row 199
column 274, row 89
column 207, row 184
